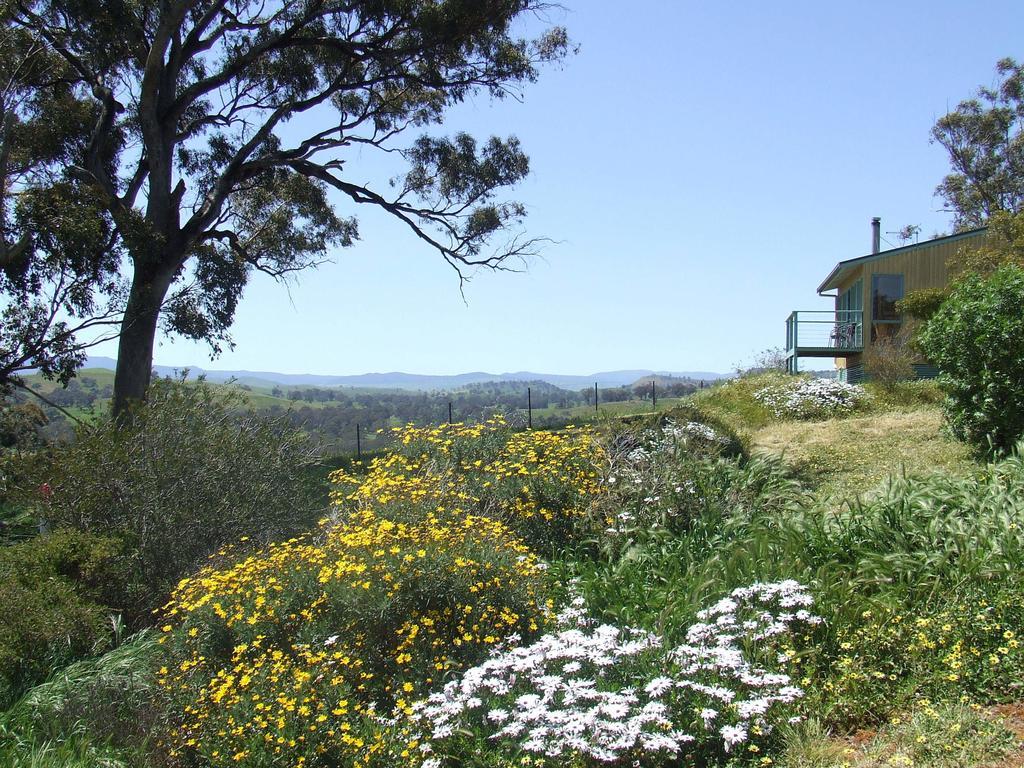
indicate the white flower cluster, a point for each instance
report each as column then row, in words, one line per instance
column 811, row 398
column 671, row 438
column 606, row 693
column 694, row 429
column 676, row 436
column 715, row 660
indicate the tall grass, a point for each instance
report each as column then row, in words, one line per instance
column 99, row 712
column 919, row 536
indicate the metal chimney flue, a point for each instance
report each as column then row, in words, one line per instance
column 876, row 234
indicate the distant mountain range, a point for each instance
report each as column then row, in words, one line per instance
column 399, row 380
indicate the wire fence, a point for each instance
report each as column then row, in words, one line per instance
column 370, row 440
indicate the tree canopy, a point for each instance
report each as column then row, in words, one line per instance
column 171, row 118
column 58, row 261
column 984, row 137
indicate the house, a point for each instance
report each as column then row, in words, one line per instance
column 866, row 290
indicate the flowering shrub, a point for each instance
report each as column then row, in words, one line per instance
column 293, row 652
column 538, row 483
column 811, row 398
column 651, row 484
column 605, row 693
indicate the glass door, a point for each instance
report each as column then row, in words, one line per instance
column 849, row 316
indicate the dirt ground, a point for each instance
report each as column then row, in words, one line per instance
column 1012, row 717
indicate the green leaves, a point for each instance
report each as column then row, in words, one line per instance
column 976, row 339
column 452, row 169
column 985, row 141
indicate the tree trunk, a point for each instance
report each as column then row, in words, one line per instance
column 135, row 347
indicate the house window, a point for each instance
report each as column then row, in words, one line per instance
column 849, row 303
column 886, row 290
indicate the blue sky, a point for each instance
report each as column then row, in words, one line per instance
column 702, row 166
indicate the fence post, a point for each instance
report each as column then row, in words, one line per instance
column 595, row 397
column 449, row 411
column 529, row 409
column 654, row 395
column 359, row 444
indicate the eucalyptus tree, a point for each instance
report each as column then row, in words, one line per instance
column 220, row 136
column 58, row 257
column 984, row 137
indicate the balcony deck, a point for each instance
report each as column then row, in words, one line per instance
column 823, row 333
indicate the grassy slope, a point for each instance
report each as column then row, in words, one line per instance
column 845, row 457
column 898, row 432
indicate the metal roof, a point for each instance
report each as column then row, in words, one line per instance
column 843, row 267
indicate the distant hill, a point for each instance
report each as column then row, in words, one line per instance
column 668, row 379
column 399, row 380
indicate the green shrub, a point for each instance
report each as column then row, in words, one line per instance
column 20, row 425
column 55, row 593
column 977, row 341
column 184, row 475
column 922, row 304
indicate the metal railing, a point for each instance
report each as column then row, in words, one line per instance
column 840, row 329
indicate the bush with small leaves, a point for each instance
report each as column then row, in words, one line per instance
column 976, row 339
column 55, row 604
column 187, row 472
